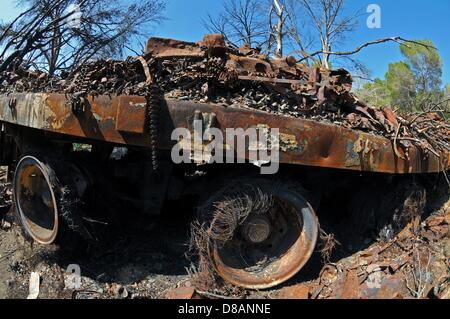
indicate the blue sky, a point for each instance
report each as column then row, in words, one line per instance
column 411, row 19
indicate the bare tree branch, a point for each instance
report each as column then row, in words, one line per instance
column 106, row 28
column 327, row 16
column 240, row 21
column 397, row 39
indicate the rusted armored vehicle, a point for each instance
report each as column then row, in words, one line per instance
column 256, row 231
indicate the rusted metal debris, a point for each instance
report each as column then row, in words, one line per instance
column 122, row 120
column 413, row 265
column 263, row 214
column 209, row 72
column 181, row 293
column 300, row 291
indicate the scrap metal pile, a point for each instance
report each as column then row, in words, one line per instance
column 211, row 72
column 416, row 264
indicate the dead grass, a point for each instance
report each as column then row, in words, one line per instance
column 218, row 220
column 327, row 245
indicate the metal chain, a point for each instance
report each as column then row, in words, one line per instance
column 153, row 102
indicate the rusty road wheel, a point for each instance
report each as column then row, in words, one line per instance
column 50, row 201
column 273, row 237
column 35, row 199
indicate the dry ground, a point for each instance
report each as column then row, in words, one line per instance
column 147, row 261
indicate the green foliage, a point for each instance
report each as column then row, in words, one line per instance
column 426, row 64
column 447, row 98
column 400, row 85
column 410, row 85
column 375, row 93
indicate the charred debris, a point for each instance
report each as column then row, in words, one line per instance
column 212, row 72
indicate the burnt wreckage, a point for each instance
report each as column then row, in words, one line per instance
column 253, row 231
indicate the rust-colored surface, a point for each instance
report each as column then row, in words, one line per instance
column 173, row 48
column 348, row 287
column 296, row 247
column 415, row 264
column 131, row 115
column 181, row 293
column 121, row 120
column 300, row 291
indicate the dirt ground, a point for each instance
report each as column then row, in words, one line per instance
column 148, row 261
column 145, row 265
